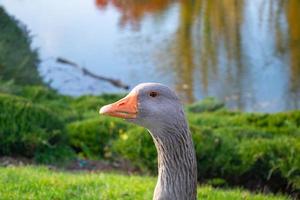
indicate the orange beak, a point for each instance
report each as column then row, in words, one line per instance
column 125, row 108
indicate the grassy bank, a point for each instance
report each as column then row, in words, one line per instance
column 41, row 183
column 257, row 151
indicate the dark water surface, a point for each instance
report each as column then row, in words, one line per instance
column 244, row 52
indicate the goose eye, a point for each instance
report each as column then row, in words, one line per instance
column 153, row 94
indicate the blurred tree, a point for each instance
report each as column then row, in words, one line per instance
column 18, row 62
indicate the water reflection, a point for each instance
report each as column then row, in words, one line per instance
column 206, row 30
column 293, row 18
column 244, row 52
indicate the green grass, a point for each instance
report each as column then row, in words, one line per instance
column 41, row 183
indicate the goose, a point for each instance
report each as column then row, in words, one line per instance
column 158, row 109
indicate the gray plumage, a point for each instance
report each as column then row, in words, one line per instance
column 157, row 108
column 164, row 117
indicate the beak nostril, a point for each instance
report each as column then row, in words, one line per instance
column 121, row 104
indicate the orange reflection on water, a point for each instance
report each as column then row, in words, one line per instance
column 133, row 11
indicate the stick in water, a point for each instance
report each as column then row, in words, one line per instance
column 114, row 82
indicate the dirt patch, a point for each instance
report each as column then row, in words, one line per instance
column 120, row 166
column 18, row 161
column 102, row 165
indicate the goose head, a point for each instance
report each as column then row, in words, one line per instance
column 151, row 105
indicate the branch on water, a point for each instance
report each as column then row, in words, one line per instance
column 114, row 82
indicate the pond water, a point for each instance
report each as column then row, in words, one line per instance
column 243, row 52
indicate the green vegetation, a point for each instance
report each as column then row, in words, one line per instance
column 84, row 134
column 17, row 61
column 233, row 148
column 206, row 105
column 41, row 183
column 25, row 126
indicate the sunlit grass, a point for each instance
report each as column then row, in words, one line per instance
column 42, row 183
